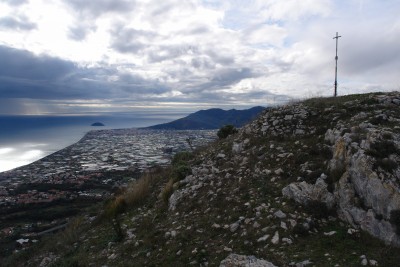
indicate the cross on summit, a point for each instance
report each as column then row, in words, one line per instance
column 336, row 59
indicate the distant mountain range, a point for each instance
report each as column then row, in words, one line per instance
column 213, row 118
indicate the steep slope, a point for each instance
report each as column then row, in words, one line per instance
column 211, row 119
column 314, row 183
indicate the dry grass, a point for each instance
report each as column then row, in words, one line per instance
column 138, row 190
column 134, row 194
column 72, row 233
column 115, row 207
column 167, row 191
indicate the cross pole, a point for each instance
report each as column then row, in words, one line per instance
column 336, row 59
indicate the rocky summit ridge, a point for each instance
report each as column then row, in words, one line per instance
column 311, row 183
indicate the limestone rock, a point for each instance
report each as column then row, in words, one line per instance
column 275, row 238
column 303, row 192
column 237, row 148
column 234, row 226
column 263, row 238
column 235, row 260
column 364, row 198
column 280, row 214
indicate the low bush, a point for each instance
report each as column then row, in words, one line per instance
column 226, row 130
column 181, row 157
column 386, row 164
column 180, row 172
column 300, row 230
column 318, row 209
column 395, row 220
column 180, row 166
column 382, row 149
column 334, row 174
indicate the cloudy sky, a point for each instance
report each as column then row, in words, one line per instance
column 95, row 56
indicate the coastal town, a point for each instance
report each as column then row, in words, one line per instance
column 89, row 171
column 103, row 151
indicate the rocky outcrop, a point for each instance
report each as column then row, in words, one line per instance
column 364, row 171
column 235, row 260
column 366, row 201
column 303, row 192
column 366, row 193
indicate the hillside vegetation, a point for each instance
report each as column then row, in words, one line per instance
column 314, row 183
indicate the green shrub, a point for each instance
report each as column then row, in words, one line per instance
column 182, row 157
column 387, row 136
column 386, row 164
column 179, row 172
column 382, row 149
column 180, row 165
column 314, row 175
column 335, row 174
column 226, row 130
column 318, row 209
column 395, row 220
column 300, row 230
column 355, row 137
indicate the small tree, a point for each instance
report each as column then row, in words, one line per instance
column 226, row 130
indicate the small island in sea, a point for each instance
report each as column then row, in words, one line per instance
column 97, row 124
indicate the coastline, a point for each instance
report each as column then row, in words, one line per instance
column 26, row 139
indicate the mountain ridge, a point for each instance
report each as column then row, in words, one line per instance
column 213, row 118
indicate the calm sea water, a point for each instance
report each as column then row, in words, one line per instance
column 25, row 139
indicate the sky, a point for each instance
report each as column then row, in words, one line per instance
column 78, row 57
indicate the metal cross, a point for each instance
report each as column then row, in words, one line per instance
column 336, row 58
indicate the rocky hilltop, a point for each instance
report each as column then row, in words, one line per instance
column 313, row 183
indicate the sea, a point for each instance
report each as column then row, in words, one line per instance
column 25, row 139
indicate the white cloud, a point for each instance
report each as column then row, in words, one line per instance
column 183, row 51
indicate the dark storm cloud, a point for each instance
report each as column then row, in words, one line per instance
column 17, row 23
column 22, row 64
column 41, row 79
column 24, row 75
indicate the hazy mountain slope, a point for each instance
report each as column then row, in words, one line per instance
column 211, row 119
column 307, row 184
